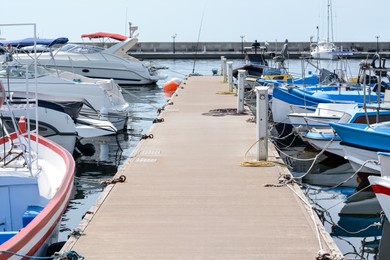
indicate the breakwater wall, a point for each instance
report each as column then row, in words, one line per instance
column 235, row 50
column 238, row 46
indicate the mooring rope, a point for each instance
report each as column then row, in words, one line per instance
column 65, row 256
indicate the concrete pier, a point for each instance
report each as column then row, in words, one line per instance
column 186, row 195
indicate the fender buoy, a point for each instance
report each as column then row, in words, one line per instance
column 22, row 124
column 172, row 85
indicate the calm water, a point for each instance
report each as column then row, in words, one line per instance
column 112, row 151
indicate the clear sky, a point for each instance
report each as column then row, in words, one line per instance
column 210, row 20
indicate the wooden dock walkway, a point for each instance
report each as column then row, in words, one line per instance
column 187, row 197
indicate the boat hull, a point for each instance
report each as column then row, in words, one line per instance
column 321, row 141
column 381, row 187
column 361, row 145
column 55, row 183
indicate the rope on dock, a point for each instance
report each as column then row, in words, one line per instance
column 151, row 136
column 257, row 164
column 121, row 178
column 267, row 163
column 226, row 93
column 283, row 180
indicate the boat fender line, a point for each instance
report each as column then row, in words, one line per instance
column 22, row 124
column 121, row 178
column 147, row 136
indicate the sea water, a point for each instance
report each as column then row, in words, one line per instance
column 145, row 101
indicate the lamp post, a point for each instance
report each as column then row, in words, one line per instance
column 242, row 43
column 276, row 45
column 377, row 43
column 174, row 37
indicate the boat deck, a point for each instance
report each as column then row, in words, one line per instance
column 187, row 196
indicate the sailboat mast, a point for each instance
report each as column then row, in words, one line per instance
column 327, row 38
column 330, row 21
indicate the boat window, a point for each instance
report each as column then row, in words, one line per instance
column 372, row 119
column 81, row 48
column 20, row 71
column 67, row 47
column 345, row 118
column 44, row 130
column 14, row 72
column 272, row 71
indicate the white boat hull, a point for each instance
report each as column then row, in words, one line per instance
column 381, row 187
column 105, row 96
column 50, row 190
column 357, row 157
column 333, row 147
column 323, row 55
column 56, row 126
column 121, row 75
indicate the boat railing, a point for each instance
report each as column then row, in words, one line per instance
column 318, row 110
column 22, row 128
column 378, row 68
column 309, row 121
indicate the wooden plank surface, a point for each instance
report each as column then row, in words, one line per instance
column 187, row 197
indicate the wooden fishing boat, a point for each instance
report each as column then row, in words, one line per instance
column 36, row 183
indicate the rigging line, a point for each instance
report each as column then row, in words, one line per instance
column 197, row 43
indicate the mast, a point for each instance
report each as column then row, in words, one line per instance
column 330, row 21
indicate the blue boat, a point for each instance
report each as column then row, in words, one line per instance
column 306, row 100
column 330, row 141
column 277, row 79
column 362, row 142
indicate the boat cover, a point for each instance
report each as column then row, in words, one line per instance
column 114, row 36
column 30, row 42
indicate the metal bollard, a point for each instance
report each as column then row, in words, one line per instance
column 262, row 123
column 230, row 75
column 240, row 91
column 222, row 58
column 224, row 70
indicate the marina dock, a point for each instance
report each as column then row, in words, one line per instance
column 186, row 195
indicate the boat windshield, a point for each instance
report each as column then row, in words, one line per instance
column 20, row 71
column 83, row 49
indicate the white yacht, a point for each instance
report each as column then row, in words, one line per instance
column 97, row 62
column 103, row 95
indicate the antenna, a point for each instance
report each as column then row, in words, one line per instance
column 197, row 43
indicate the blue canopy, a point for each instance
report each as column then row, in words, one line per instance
column 30, row 42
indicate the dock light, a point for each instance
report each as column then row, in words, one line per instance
column 174, row 47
